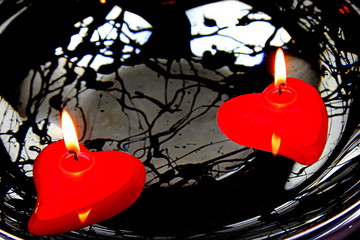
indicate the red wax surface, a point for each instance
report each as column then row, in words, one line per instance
column 298, row 116
column 74, row 194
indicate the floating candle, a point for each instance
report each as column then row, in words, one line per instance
column 288, row 118
column 77, row 188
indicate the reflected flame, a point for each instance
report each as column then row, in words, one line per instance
column 275, row 144
column 69, row 133
column 84, row 215
column 280, row 68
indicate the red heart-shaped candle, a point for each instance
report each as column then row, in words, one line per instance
column 76, row 193
column 292, row 122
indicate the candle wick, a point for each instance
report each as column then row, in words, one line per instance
column 75, row 155
column 281, row 87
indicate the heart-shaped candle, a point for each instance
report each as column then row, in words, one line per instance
column 288, row 118
column 77, row 188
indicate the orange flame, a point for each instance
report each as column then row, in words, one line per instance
column 280, row 68
column 69, row 133
column 275, row 144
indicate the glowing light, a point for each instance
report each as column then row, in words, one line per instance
column 280, row 68
column 69, row 133
column 84, row 215
column 275, row 144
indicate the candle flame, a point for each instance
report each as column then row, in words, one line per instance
column 275, row 144
column 69, row 133
column 84, row 215
column 280, row 69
